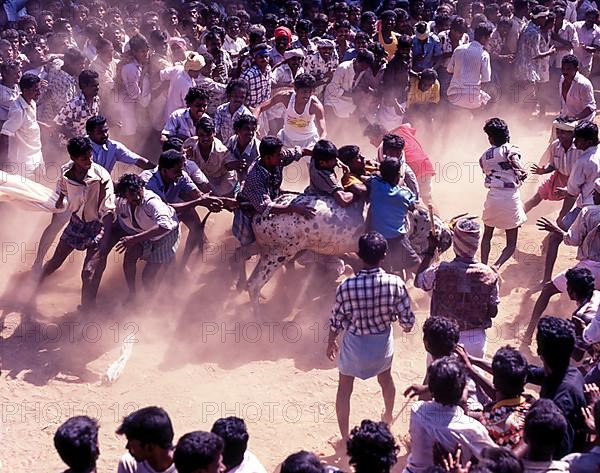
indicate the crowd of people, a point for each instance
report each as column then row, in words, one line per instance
column 211, row 101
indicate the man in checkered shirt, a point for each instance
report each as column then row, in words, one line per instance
column 74, row 114
column 365, row 307
column 258, row 77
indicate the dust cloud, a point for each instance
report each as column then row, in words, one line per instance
column 201, row 353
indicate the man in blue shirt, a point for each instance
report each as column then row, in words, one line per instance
column 175, row 187
column 106, row 153
column 390, row 204
column 426, row 48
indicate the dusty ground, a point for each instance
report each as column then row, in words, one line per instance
column 201, row 354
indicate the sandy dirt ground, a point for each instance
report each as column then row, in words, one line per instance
column 200, row 353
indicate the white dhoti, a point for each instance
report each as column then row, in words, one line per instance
column 468, row 96
column 503, row 209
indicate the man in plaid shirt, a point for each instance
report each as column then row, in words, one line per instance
column 258, row 77
column 74, row 114
column 366, row 305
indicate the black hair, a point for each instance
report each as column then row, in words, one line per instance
column 497, row 130
column 342, row 24
column 365, row 56
column 129, row 182
column 500, row 460
column 172, row 143
column 8, row 65
column 324, row 150
column 206, row 124
column 482, row 30
column 87, row 77
column 235, row 437
column 102, row 43
column 441, row 335
column 169, row 159
column 581, row 281
column 137, row 43
column 387, row 13
column 429, row 74
column 302, row 462
column 93, row 122
column 372, row 448
column 197, row 450
column 555, row 341
column 231, row 19
column 348, row 153
column 571, row 60
column 545, row 426
column 76, row 442
column 390, row 169
column 73, row 55
column 587, row 131
column 236, row 84
column 459, row 24
column 374, row 129
column 150, row 425
column 305, row 81
column 243, row 120
column 304, row 25
column 28, row 80
column 392, row 141
column 447, row 380
column 79, row 146
column 269, row 145
column 509, row 369
column 157, row 37
column 196, row 93
column 372, row 247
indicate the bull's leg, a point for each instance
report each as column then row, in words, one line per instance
column 263, row 272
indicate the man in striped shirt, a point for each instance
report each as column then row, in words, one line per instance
column 366, row 305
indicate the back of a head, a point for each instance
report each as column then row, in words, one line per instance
column 509, row 369
column 581, row 281
column 497, row 130
column 587, row 131
column 302, row 462
column 372, row 248
column 556, row 341
column 392, row 142
column 235, row 437
column 372, row 448
column 324, row 150
column 545, row 427
column 390, row 169
column 76, row 442
column 149, row 425
column 440, row 335
column 447, row 381
column 500, row 460
column 79, row 146
column 197, row 451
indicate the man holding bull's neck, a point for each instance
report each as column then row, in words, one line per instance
column 366, row 305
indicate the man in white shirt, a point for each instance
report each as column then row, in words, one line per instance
column 236, row 456
column 470, row 67
column 577, row 101
column 588, row 34
column 181, row 79
column 23, row 131
column 91, row 199
column 443, row 420
column 147, row 229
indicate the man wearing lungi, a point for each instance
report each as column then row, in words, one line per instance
column 89, row 190
column 463, row 289
column 365, row 307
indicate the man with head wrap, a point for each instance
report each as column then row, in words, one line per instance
column 463, row 289
column 281, row 42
